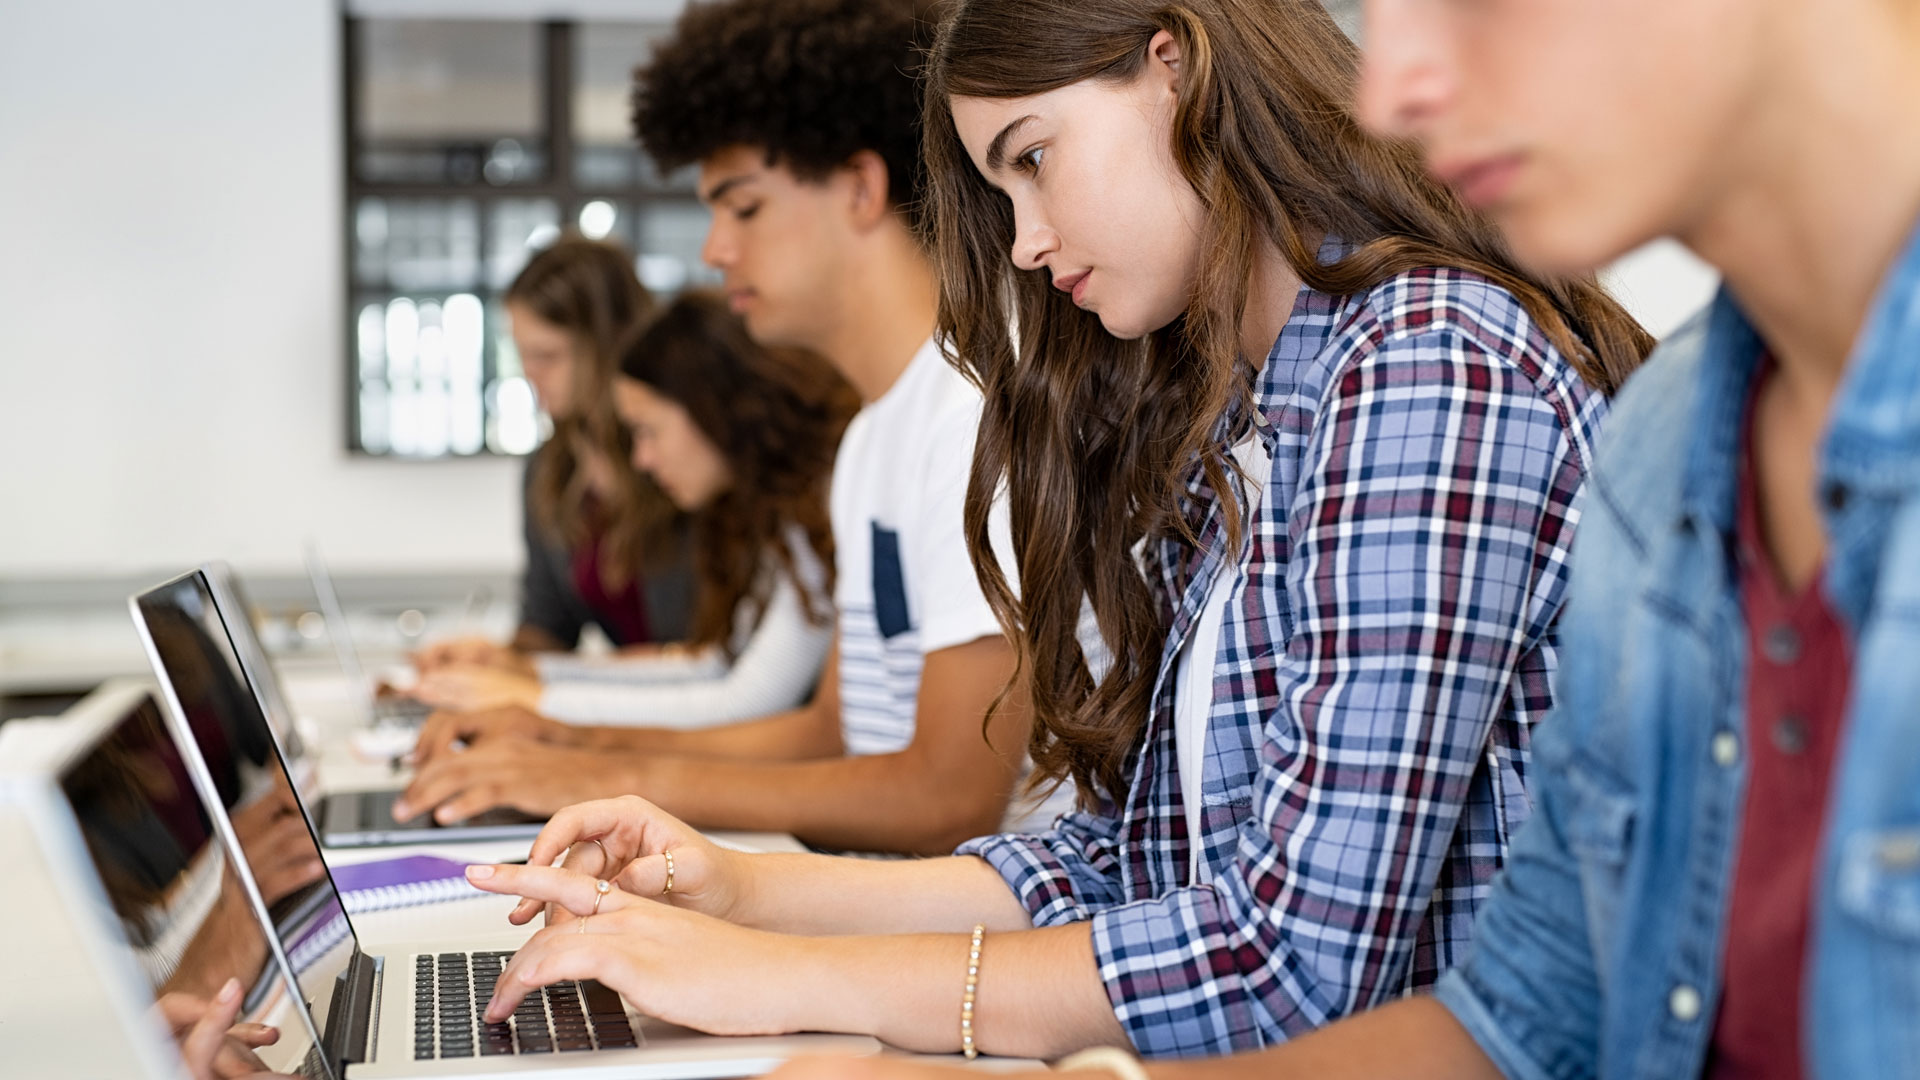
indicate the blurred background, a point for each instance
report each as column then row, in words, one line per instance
column 250, row 261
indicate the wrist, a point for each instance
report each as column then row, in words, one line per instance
column 743, row 900
column 834, row 991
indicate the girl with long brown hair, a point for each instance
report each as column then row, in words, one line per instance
column 1285, row 420
column 741, row 438
column 604, row 546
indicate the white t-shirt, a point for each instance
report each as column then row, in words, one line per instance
column 904, row 586
column 1193, row 692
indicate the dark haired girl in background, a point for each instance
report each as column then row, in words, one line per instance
column 603, row 544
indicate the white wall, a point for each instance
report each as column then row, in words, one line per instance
column 1663, row 284
column 170, row 312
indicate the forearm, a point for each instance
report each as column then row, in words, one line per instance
column 795, row 735
column 884, row 802
column 1038, row 993
column 1413, row 1037
column 828, row 894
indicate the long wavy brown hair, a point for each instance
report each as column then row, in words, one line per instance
column 1094, row 439
column 588, row 288
column 776, row 415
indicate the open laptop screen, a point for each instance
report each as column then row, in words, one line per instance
column 185, row 917
column 195, row 655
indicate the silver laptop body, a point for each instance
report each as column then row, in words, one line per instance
column 114, row 895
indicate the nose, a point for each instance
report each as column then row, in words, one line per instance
column 1033, row 240
column 1405, row 81
column 719, row 250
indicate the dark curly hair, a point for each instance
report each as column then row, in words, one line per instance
column 776, row 415
column 812, row 81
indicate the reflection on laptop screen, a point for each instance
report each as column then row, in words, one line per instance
column 197, row 659
column 168, row 881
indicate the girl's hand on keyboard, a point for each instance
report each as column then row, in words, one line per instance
column 636, row 835
column 681, row 966
column 474, row 689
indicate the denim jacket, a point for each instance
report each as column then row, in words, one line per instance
column 1600, row 950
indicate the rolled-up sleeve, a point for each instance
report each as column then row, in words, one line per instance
column 1415, row 534
column 1062, row 875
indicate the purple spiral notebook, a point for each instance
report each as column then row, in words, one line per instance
column 403, row 882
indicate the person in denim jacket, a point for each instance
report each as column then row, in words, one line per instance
column 1721, row 876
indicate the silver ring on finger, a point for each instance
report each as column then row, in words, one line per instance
column 606, row 860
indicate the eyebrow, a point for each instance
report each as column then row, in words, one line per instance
column 997, row 149
column 714, row 193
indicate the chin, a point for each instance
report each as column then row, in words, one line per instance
column 1131, row 326
column 1564, row 243
column 766, row 327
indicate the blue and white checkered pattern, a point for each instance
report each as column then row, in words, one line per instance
column 1377, row 680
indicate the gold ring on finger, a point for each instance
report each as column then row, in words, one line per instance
column 668, row 855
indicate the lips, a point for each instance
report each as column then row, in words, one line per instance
column 1075, row 284
column 1482, row 182
column 738, row 299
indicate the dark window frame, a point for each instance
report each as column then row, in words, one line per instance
column 555, row 74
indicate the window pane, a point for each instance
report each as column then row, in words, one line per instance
column 604, row 58
column 449, row 101
column 415, row 244
column 672, row 232
column 516, row 229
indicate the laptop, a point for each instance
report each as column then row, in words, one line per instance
column 212, row 595
column 412, row 1010
column 117, row 892
column 400, row 711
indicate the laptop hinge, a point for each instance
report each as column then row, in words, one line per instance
column 354, row 1011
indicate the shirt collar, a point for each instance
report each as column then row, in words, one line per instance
column 1873, row 441
column 1873, row 435
column 1310, row 325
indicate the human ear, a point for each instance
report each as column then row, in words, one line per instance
column 1163, row 56
column 868, row 187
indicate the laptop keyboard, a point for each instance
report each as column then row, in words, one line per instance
column 450, row 993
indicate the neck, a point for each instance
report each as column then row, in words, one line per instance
column 887, row 311
column 1825, row 191
column 1270, row 297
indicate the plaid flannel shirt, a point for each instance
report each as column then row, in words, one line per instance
column 1382, row 661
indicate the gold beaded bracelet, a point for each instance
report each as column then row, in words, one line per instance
column 973, row 985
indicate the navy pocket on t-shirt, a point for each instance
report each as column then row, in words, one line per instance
column 889, row 584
